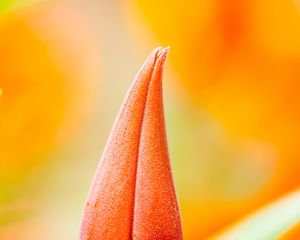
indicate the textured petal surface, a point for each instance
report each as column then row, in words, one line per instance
column 135, row 154
column 156, row 215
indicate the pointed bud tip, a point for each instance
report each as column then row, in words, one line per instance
column 163, row 51
column 162, row 54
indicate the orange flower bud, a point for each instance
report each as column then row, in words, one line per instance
column 132, row 195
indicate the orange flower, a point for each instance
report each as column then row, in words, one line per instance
column 132, row 195
column 239, row 61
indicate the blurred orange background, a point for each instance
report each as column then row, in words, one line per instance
column 232, row 96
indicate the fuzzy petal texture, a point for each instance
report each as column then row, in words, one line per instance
column 132, row 195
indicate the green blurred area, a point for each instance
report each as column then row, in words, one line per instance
column 9, row 5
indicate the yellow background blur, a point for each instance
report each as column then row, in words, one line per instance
column 232, row 96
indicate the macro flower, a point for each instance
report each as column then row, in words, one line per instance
column 238, row 62
column 132, row 195
column 232, row 109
